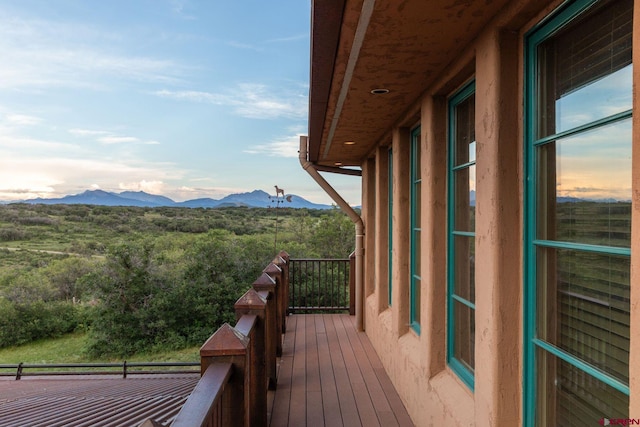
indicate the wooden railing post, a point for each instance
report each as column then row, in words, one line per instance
column 284, row 256
column 276, row 274
column 266, row 284
column 229, row 345
column 251, row 303
column 352, row 284
column 254, row 416
column 283, row 290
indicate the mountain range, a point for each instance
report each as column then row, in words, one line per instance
column 253, row 199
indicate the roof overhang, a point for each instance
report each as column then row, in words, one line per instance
column 358, row 46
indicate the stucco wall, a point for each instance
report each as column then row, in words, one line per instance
column 416, row 364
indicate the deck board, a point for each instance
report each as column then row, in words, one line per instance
column 327, row 379
column 279, row 407
column 315, row 414
column 330, row 375
column 297, row 406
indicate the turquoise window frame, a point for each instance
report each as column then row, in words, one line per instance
column 415, row 278
column 531, row 342
column 466, row 375
column 390, row 214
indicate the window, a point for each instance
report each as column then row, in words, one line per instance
column 578, row 215
column 390, row 213
column 461, row 234
column 414, row 291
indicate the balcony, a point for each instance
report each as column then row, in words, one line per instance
column 294, row 358
column 330, row 375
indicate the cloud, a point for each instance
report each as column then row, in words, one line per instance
column 18, row 182
column 45, row 54
column 240, row 45
column 110, row 138
column 301, row 36
column 152, row 187
column 22, row 119
column 285, row 147
column 13, row 142
column 248, row 46
column 55, row 176
column 88, row 132
column 250, row 100
column 179, row 6
column 193, row 96
column 257, row 101
column 118, row 139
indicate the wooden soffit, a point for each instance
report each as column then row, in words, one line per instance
column 361, row 45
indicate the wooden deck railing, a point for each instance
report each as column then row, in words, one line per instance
column 238, row 363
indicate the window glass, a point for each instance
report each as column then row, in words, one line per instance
column 465, row 134
column 579, row 181
column 464, row 276
column 574, row 398
column 599, row 99
column 584, row 307
column 416, row 216
column 584, row 189
column 585, row 69
column 464, row 335
column 465, row 200
column 461, row 234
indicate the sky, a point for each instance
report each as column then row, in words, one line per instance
column 184, row 98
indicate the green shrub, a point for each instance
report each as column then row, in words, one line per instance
column 12, row 234
column 21, row 323
column 147, row 299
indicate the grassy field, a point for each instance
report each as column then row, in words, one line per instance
column 89, row 230
column 69, row 349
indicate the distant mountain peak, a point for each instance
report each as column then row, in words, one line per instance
column 252, row 199
column 95, row 193
column 146, row 197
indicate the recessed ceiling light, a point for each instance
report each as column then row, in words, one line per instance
column 338, row 163
column 380, row 91
column 349, row 143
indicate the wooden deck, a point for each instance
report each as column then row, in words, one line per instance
column 330, row 375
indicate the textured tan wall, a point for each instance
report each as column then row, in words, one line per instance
column 382, row 227
column 369, row 196
column 417, row 364
column 498, row 394
column 401, row 224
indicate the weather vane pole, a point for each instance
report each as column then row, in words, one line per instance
column 278, row 200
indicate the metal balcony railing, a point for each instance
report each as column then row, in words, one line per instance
column 20, row 370
column 319, row 285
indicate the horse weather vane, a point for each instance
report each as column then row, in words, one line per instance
column 277, row 200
